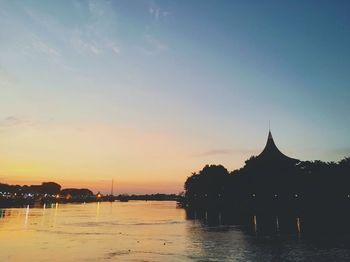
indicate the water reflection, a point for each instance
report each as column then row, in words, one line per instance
column 266, row 223
column 2, row 213
column 255, row 225
column 225, row 235
column 97, row 210
column 298, row 226
column 26, row 216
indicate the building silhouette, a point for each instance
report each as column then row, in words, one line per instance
column 272, row 155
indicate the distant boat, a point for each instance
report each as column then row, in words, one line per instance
column 111, row 196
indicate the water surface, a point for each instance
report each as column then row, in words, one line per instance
column 146, row 231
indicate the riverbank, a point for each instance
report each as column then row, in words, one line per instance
column 15, row 201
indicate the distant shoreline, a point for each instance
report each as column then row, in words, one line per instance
column 52, row 204
column 39, row 201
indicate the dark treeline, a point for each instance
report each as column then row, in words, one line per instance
column 313, row 195
column 76, row 193
column 272, row 184
column 47, row 192
column 50, row 192
column 50, row 188
column 308, row 180
column 150, row 197
column 45, row 189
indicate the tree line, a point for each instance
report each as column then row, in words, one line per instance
column 265, row 182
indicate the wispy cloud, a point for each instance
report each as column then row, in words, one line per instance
column 215, row 152
column 37, row 42
column 44, row 48
column 38, row 47
column 82, row 43
column 96, row 8
column 15, row 121
column 115, row 49
column 155, row 43
column 152, row 45
column 92, row 37
column 88, row 41
column 156, row 12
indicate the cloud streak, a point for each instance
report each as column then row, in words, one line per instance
column 44, row 48
column 91, row 37
column 156, row 12
column 15, row 121
column 215, row 152
column 152, row 45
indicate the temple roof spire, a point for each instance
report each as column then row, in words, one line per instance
column 270, row 135
column 272, row 153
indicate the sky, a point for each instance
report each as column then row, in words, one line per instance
column 146, row 92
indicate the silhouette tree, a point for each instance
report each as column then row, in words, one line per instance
column 272, row 180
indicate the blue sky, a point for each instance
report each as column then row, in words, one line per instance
column 157, row 89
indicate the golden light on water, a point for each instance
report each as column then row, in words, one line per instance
column 298, row 225
column 26, row 215
column 255, row 224
column 92, row 231
column 277, row 225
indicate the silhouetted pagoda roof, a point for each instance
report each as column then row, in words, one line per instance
column 272, row 154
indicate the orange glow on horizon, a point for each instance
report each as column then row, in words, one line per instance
column 90, row 155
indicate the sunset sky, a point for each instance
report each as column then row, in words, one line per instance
column 146, row 92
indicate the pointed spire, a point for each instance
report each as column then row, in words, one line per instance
column 270, row 136
column 271, row 152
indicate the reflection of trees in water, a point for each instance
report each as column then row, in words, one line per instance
column 251, row 224
column 272, row 223
column 226, row 235
column 2, row 213
column 212, row 239
column 5, row 213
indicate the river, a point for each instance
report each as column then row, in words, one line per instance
column 147, row 231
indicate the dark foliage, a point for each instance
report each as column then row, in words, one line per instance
column 75, row 192
column 45, row 188
column 271, row 184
